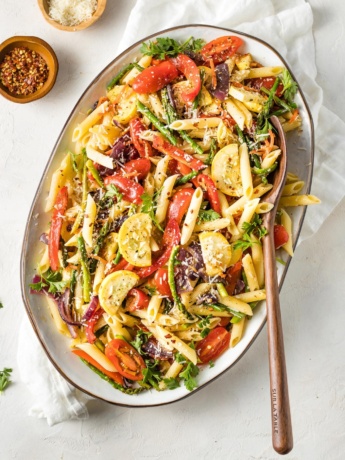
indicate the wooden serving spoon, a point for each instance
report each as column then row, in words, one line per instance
column 282, row 439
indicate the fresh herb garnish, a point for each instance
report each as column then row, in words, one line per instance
column 251, row 228
column 148, row 207
column 50, row 279
column 152, row 374
column 290, row 87
column 165, row 46
column 207, row 216
column 5, row 378
column 203, row 324
column 150, row 290
column 1, row 305
column 171, row 383
column 189, row 374
column 211, row 363
column 140, row 339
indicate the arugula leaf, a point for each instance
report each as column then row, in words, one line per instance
column 165, row 46
column 207, row 216
column 148, row 207
column 52, row 280
column 290, row 86
column 171, row 383
column 189, row 374
column 1, row 305
column 5, row 378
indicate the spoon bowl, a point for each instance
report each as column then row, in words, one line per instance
column 282, row 438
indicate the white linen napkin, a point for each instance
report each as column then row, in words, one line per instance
column 285, row 24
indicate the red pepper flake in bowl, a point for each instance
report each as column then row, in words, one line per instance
column 23, row 71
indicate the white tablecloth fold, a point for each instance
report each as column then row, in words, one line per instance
column 286, row 25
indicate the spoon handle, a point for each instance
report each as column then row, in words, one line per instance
column 282, row 439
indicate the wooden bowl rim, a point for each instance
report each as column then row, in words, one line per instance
column 101, row 4
column 53, row 66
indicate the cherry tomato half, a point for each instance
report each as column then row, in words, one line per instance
column 281, row 236
column 221, row 48
column 212, row 346
column 125, row 358
column 161, row 282
column 137, row 300
column 130, row 189
column 137, row 168
column 155, row 77
column 55, row 227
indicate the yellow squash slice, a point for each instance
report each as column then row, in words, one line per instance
column 114, row 289
column 216, row 252
column 226, row 172
column 134, row 240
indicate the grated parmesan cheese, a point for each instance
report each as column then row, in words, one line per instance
column 71, row 12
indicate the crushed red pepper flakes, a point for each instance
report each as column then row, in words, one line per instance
column 23, row 71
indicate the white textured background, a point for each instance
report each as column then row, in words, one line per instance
column 231, row 417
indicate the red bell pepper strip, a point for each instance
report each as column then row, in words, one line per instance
column 171, row 238
column 184, row 170
column 130, row 189
column 90, row 325
column 212, row 192
column 122, row 265
column 190, row 70
column 136, row 126
column 137, row 168
column 233, row 274
column 155, row 77
column 112, row 375
column 180, row 204
column 177, row 154
column 55, row 227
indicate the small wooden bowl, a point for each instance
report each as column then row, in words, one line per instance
column 44, row 7
column 46, row 51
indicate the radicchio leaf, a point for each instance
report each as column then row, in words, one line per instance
column 154, row 349
column 190, row 269
column 123, row 151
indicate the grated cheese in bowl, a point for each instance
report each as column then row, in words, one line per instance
column 71, row 12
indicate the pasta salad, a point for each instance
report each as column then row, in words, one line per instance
column 153, row 260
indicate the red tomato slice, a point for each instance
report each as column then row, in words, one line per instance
column 176, row 153
column 212, row 346
column 138, row 168
column 155, row 78
column 137, row 300
column 136, row 126
column 55, row 227
column 161, row 282
column 221, row 48
column 130, row 189
column 281, row 236
column 126, row 359
column 180, row 204
column 190, row 70
column 266, row 82
column 233, row 274
column 112, row 375
column 212, row 192
column 224, row 321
